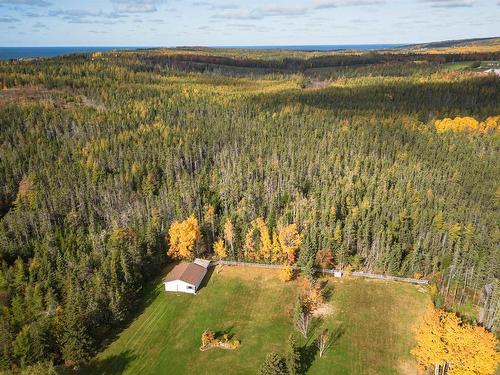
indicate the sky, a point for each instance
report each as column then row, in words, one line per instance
column 243, row 22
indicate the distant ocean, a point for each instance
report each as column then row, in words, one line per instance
column 32, row 52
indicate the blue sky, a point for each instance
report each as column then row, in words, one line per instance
column 255, row 22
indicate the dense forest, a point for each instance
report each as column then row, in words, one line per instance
column 387, row 161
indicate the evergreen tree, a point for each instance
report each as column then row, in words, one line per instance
column 35, row 342
column 392, row 180
column 75, row 342
column 308, row 270
column 273, row 365
column 292, row 356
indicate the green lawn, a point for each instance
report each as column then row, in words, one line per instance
column 460, row 65
column 372, row 320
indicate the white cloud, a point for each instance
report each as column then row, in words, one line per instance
column 224, row 6
column 136, row 6
column 449, row 3
column 80, row 13
column 214, row 6
column 36, row 3
column 8, row 19
column 326, row 4
column 40, row 25
column 86, row 16
column 260, row 13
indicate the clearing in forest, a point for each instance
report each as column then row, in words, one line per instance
column 372, row 321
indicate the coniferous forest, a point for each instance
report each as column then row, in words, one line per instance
column 389, row 161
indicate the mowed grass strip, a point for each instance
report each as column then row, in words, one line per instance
column 372, row 321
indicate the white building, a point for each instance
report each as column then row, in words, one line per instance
column 186, row 277
column 493, row 71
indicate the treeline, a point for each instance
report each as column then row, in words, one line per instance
column 203, row 62
column 90, row 189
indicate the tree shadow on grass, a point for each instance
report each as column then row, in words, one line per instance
column 307, row 356
column 327, row 290
column 113, row 365
column 228, row 331
column 336, row 334
column 149, row 293
column 315, row 326
column 309, row 351
column 206, row 279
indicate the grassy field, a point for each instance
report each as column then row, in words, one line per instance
column 372, row 321
column 461, row 65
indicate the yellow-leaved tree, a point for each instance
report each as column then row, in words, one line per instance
column 285, row 273
column 209, row 217
column 265, row 241
column 250, row 243
column 27, row 193
column 277, row 255
column 258, row 243
column 290, row 240
column 471, row 349
column 468, row 125
column 229, row 234
column 183, row 238
column 454, row 348
column 220, row 248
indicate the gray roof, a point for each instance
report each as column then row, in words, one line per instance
column 202, row 262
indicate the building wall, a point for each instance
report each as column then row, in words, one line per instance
column 179, row 286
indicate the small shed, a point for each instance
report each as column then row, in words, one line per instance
column 186, row 277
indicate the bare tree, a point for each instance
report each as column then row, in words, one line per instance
column 303, row 323
column 323, row 342
column 301, row 318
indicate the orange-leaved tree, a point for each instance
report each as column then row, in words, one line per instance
column 324, row 258
column 183, row 238
column 207, row 337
